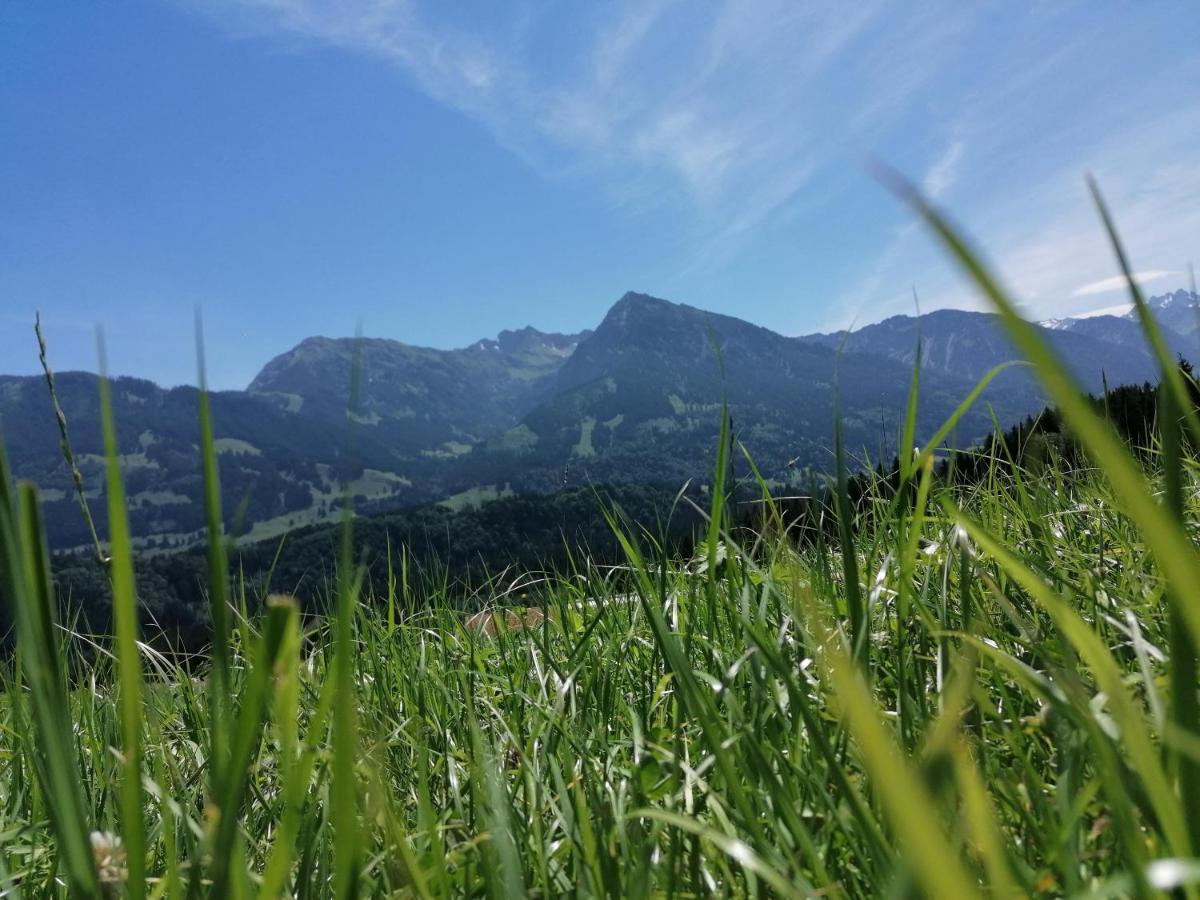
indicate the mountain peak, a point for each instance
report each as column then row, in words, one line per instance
column 639, row 313
column 1172, row 299
column 638, row 297
column 530, row 339
column 633, row 300
column 1178, row 310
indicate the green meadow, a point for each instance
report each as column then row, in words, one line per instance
column 944, row 689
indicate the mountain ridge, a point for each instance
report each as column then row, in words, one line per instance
column 635, row 400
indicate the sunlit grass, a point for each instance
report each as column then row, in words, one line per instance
column 972, row 690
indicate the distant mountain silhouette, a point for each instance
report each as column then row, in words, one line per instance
column 637, row 400
column 416, row 398
column 1178, row 311
column 970, row 344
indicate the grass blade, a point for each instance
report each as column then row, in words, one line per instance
column 27, row 584
column 218, row 581
column 1176, row 406
column 1171, row 545
column 129, row 664
column 246, row 737
column 738, row 851
column 935, row 863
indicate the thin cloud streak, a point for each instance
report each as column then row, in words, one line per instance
column 741, row 116
column 944, row 172
column 1118, row 309
column 1043, row 234
column 1120, row 283
column 736, row 117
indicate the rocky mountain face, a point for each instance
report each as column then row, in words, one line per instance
column 642, row 397
column 636, row 400
column 421, row 401
column 970, row 344
column 1179, row 311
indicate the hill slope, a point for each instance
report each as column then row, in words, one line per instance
column 636, row 400
column 640, row 400
column 419, row 399
column 969, row 344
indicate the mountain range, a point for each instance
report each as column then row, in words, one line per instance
column 636, row 400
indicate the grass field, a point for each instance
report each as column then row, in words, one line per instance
column 972, row 691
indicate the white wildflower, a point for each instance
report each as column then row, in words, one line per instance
column 110, row 858
column 962, row 540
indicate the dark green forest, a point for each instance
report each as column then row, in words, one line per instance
column 431, row 547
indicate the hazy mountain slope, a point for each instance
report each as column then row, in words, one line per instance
column 637, row 400
column 273, row 463
column 969, row 344
column 1178, row 310
column 418, row 399
column 641, row 396
column 1126, row 333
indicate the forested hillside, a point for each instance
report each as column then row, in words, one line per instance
column 636, row 401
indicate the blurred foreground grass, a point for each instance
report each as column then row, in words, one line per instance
column 974, row 690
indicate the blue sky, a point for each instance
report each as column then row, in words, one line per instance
column 439, row 171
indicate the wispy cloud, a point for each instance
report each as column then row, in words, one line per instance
column 1154, row 195
column 734, row 116
column 1120, row 283
column 731, row 103
column 944, row 172
column 1027, row 205
column 1117, row 309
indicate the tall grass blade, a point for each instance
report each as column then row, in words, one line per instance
column 218, row 581
column 1171, row 545
column 247, row 735
column 739, row 852
column 935, row 862
column 855, row 602
column 129, row 664
column 1135, row 732
column 344, row 789
column 27, row 584
column 1176, row 406
column 908, row 438
column 64, row 440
